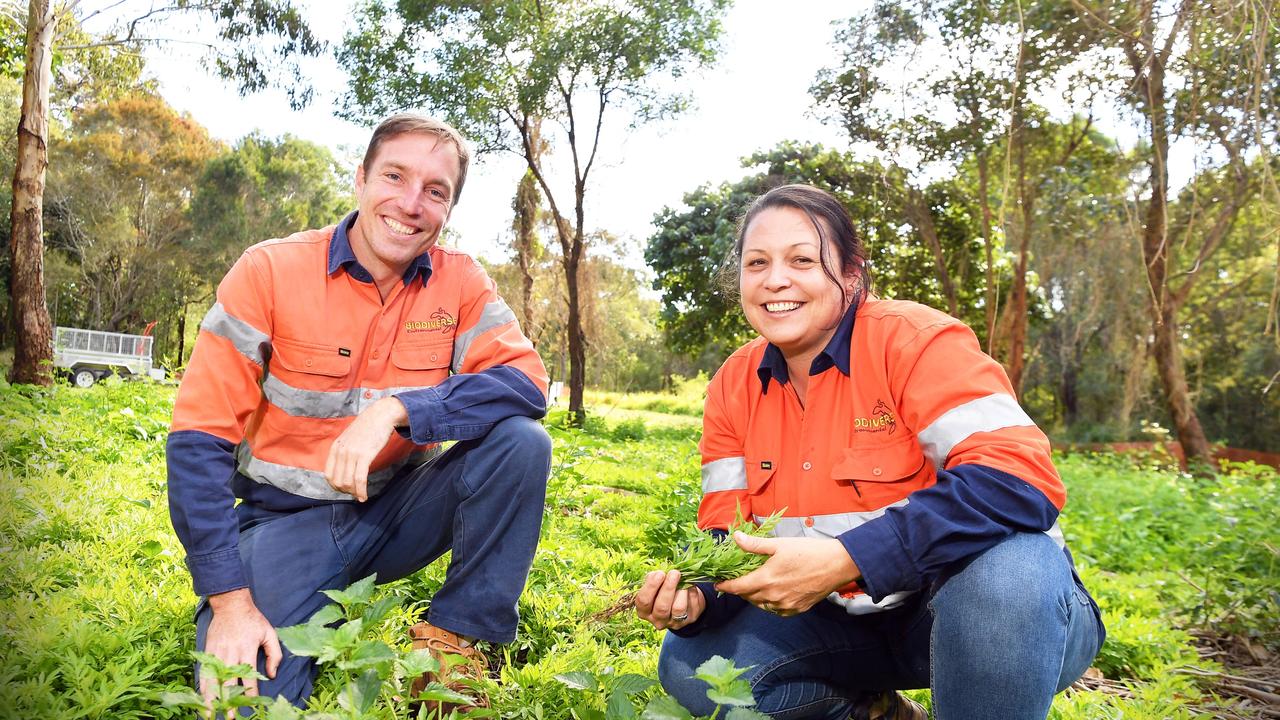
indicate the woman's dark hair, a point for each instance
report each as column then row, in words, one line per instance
column 832, row 222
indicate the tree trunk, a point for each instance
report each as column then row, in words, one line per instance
column 1015, row 361
column 989, row 295
column 526, row 240
column 1155, row 251
column 33, row 342
column 577, row 338
column 921, row 217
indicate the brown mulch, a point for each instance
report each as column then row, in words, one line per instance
column 1248, row 686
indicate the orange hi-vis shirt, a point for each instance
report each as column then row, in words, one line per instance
column 296, row 346
column 910, row 449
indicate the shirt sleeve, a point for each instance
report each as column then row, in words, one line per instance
column 724, row 465
column 220, row 390
column 995, row 475
column 497, row 373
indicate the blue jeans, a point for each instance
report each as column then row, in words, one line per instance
column 482, row 499
column 996, row 638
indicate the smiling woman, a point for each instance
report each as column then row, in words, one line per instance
column 918, row 544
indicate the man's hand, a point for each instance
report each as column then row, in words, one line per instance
column 236, row 632
column 347, row 468
column 798, row 575
column 660, row 603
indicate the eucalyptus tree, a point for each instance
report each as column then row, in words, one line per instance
column 1192, row 71
column 53, row 30
column 503, row 69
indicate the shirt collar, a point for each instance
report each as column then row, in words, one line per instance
column 341, row 256
column 836, row 354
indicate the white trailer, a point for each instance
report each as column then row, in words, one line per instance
column 90, row 355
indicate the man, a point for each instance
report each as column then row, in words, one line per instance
column 332, row 364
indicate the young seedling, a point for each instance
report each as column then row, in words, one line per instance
column 706, row 558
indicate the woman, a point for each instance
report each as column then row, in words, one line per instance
column 919, row 545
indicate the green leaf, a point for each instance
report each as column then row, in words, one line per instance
column 326, row 615
column 578, row 680
column 307, row 640
column 360, row 694
column 356, row 593
column 665, row 707
column 417, row 662
column 367, row 654
column 282, row 709
column 631, row 683
column 741, row 713
column 619, row 707
column 737, row 692
column 150, row 549
column 348, row 633
column 379, row 610
column 185, row 698
column 719, row 671
column 440, row 693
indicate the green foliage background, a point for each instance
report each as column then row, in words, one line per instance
column 96, row 607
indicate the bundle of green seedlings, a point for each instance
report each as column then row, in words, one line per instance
column 706, row 558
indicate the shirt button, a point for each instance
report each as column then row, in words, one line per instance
column 807, row 466
column 368, row 394
column 433, row 357
column 808, row 522
column 310, row 362
column 876, row 472
column 376, row 354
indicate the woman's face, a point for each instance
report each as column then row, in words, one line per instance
column 786, row 296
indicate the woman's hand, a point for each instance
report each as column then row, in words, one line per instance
column 662, row 604
column 799, row 573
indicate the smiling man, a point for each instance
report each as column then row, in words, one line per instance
column 331, row 367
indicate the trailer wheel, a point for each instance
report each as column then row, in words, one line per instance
column 84, row 378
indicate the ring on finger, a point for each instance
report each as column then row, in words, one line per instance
column 767, row 607
column 681, row 617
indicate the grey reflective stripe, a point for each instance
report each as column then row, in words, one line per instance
column 247, row 339
column 1055, row 533
column 829, row 525
column 495, row 314
column 993, row 412
column 724, row 474
column 323, row 403
column 861, row 604
column 311, row 483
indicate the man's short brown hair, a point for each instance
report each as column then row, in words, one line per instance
column 406, row 123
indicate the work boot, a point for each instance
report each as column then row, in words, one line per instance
column 441, row 643
column 890, row 705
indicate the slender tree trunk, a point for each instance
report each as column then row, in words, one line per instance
column 989, row 295
column 1015, row 361
column 921, row 217
column 526, row 240
column 577, row 338
column 1155, row 251
column 33, row 346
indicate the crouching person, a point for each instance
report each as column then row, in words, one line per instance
column 331, row 367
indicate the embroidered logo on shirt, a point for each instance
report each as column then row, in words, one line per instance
column 440, row 320
column 881, row 419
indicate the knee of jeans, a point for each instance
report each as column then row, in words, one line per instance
column 526, row 436
column 676, row 666
column 1018, row 581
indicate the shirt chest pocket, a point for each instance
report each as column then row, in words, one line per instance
column 883, row 471
column 422, row 364
column 310, row 366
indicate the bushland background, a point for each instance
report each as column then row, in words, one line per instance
column 1090, row 185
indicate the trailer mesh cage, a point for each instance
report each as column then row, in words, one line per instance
column 96, row 341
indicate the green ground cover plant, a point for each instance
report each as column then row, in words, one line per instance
column 96, row 605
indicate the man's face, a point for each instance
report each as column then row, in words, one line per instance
column 404, row 201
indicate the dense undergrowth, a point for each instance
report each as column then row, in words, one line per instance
column 95, row 603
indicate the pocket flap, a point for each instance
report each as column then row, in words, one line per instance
column 309, row 358
column 422, row 356
column 759, row 473
column 883, row 462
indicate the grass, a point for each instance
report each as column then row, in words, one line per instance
column 95, row 603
